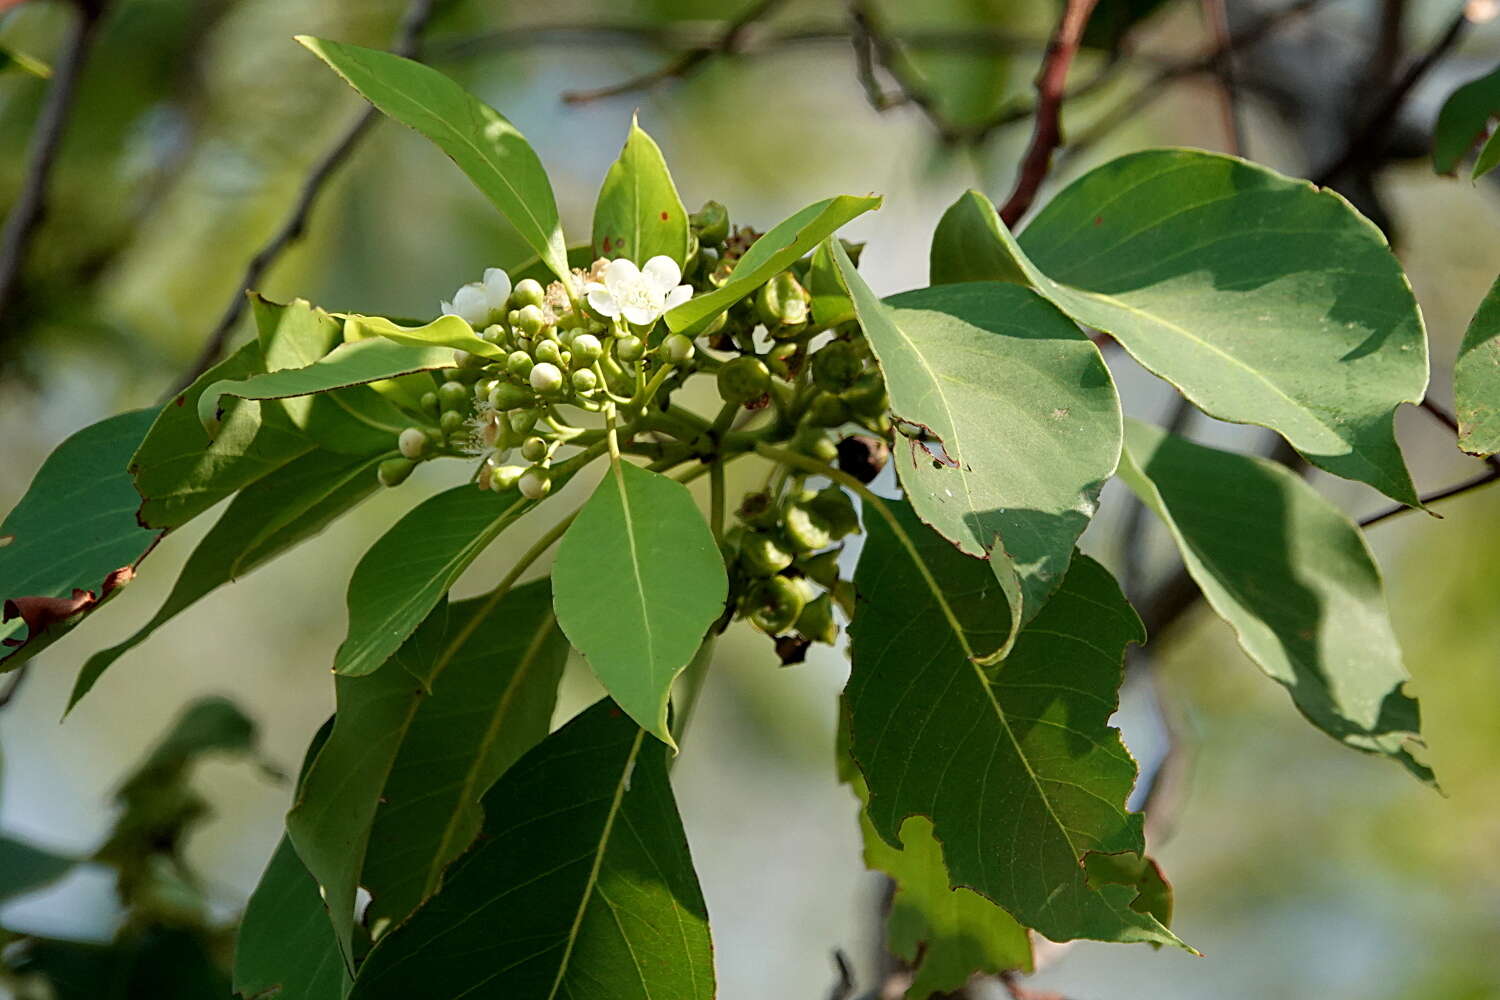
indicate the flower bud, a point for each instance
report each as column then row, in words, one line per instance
column 529, row 320
column 505, row 477
column 507, row 396
column 782, row 302
column 430, row 404
column 549, row 351
column 394, row 471
column 586, row 349
column 546, row 378
column 535, row 483
column 584, row 381
column 630, row 348
column 711, row 222
column 412, row 442
column 743, row 379
column 453, row 396
column 533, row 449
column 528, row 292
column 494, row 333
column 677, row 348
column 466, row 361
column 519, row 363
column 763, row 554
column 522, row 421
column 816, row 620
column 450, row 421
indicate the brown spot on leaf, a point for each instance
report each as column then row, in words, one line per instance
column 604, row 247
column 1098, row 219
column 179, row 401
column 665, row 216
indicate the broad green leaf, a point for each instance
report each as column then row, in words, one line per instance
column 1292, row 575
column 181, row 471
column 492, row 703
column 637, row 581
column 967, row 245
column 1265, row 300
column 25, row 867
column 409, row 569
column 353, row 421
column 946, row 935
column 351, row 364
column 267, row 518
column 768, row 256
column 486, row 146
column 1463, row 121
column 831, row 305
column 639, row 214
column 1489, row 156
column 73, row 539
column 1015, row 419
column 1016, row 766
column 285, row 944
column 581, row 885
column 1476, row 379
column 158, row 962
column 445, row 331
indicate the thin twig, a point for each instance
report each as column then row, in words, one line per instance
column 683, row 65
column 1366, row 140
column 408, row 42
column 30, row 206
column 1431, row 498
column 1046, row 134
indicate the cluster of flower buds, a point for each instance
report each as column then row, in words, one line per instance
column 785, row 564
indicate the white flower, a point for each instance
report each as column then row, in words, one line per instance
column 640, row 295
column 480, row 303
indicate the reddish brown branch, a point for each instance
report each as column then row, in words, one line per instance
column 1046, row 134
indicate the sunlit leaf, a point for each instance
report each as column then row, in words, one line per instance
column 967, row 245
column 639, row 214
column 1476, row 379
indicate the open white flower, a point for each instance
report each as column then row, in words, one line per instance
column 480, row 303
column 640, row 295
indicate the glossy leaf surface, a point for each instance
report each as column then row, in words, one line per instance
column 639, row 214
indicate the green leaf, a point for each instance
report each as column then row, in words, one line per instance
column 768, row 256
column 637, row 581
column 581, row 886
column 409, row 569
column 181, row 471
column 1489, row 156
column 285, row 944
column 1463, row 121
column 1016, row 766
column 1265, row 300
column 1016, row 417
column 486, row 146
column 14, row 59
column 267, row 518
column 946, row 935
column 1292, row 575
column 968, row 246
column 350, row 364
column 1476, row 379
column 639, row 214
column 492, row 703
column 831, row 304
column 25, row 868
column 73, row 539
column 445, row 331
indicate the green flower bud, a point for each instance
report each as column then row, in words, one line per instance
column 827, row 410
column 464, row 360
column 763, row 554
column 535, row 483
column 546, row 378
column 782, row 302
column 805, row 529
column 530, row 320
column 505, row 477
column 533, row 449
column 412, row 442
column 677, row 348
column 394, row 471
column 506, row 396
column 837, row 366
column 549, row 351
column 777, row 603
column 495, row 333
column 816, row 621
column 630, row 348
column 522, row 421
column 450, row 421
column 430, row 404
column 584, row 381
column 453, row 396
column 586, row 349
column 528, row 292
column 711, row 222
column 743, row 379
column 464, row 376
column 519, row 364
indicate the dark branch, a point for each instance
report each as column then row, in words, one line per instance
column 31, row 203
column 408, row 41
column 1046, row 134
column 1431, row 498
column 685, row 64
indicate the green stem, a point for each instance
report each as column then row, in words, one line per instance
column 657, row 378
column 724, row 420
column 716, row 497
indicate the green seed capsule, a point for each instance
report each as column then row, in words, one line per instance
column 394, row 471
column 677, row 348
column 711, row 222
column 533, row 449
column 805, row 529
column 507, row 396
column 827, row 410
column 785, row 360
column 777, row 603
column 630, row 348
column 584, row 381
column 822, row 568
column 586, row 349
column 867, row 395
column 743, row 379
column 412, row 443
column 833, row 506
column 763, row 554
column 453, row 396
column 816, row 621
column 528, row 292
column 837, row 366
column 519, row 364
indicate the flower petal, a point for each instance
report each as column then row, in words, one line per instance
column 496, row 286
column 679, row 295
column 602, row 301
column 641, row 315
column 472, row 303
column 446, row 307
column 621, row 273
column 663, row 272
